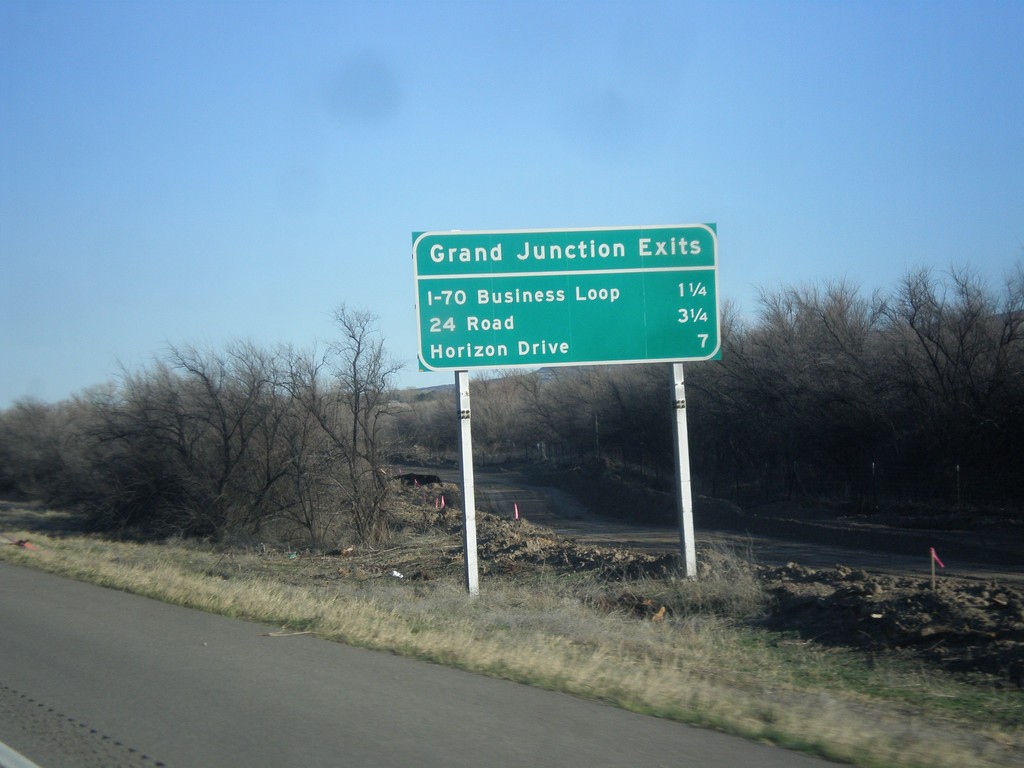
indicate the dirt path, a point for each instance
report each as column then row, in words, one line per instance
column 814, row 545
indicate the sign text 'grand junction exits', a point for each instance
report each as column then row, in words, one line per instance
column 566, row 297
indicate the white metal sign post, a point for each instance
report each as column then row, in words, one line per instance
column 684, row 493
column 468, row 489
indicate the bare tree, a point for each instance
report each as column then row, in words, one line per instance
column 501, row 420
column 30, row 448
column 351, row 409
column 313, row 500
column 958, row 351
column 425, row 426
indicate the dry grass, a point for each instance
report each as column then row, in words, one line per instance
column 571, row 633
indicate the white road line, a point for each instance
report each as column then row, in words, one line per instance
column 11, row 759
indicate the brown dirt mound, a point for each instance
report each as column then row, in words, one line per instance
column 510, row 545
column 962, row 625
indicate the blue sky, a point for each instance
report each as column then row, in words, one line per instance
column 198, row 172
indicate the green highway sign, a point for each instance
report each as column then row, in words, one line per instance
column 566, row 297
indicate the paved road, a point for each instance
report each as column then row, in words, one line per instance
column 96, row 677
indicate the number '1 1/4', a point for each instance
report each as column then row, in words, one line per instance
column 693, row 289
